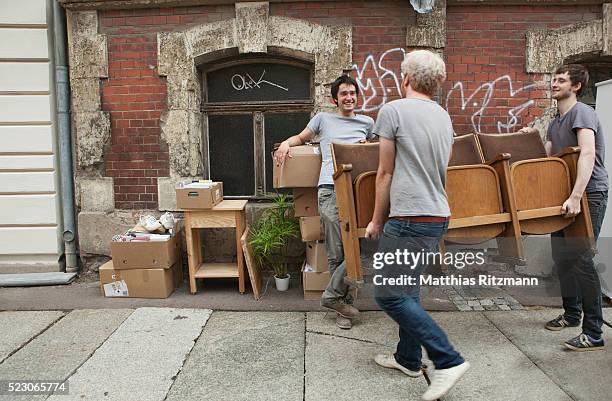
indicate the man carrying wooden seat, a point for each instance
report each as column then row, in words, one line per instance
column 343, row 126
column 576, row 124
column 416, row 136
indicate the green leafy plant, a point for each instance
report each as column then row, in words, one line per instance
column 271, row 234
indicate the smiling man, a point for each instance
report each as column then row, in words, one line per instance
column 342, row 126
column 576, row 124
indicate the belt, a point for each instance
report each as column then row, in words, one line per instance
column 423, row 219
column 327, row 186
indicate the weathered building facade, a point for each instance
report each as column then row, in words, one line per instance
column 164, row 90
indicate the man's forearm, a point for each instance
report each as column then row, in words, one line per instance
column 381, row 207
column 583, row 174
column 294, row 140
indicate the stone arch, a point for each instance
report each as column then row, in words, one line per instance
column 253, row 30
column 546, row 49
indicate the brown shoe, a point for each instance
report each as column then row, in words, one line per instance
column 347, row 311
column 343, row 322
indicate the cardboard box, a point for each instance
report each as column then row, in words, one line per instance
column 316, row 256
column 310, row 228
column 314, row 283
column 199, row 198
column 146, row 254
column 305, row 202
column 299, row 171
column 312, row 295
column 139, row 283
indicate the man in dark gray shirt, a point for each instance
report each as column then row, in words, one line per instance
column 576, row 124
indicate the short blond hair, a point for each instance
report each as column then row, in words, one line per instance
column 425, row 70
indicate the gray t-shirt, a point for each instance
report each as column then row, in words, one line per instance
column 563, row 130
column 423, row 135
column 333, row 128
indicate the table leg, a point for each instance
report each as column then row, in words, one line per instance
column 190, row 254
column 240, row 225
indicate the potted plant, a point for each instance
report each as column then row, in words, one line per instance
column 270, row 238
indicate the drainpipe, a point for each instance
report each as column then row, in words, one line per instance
column 62, row 89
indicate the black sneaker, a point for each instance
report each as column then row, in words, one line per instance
column 559, row 323
column 584, row 342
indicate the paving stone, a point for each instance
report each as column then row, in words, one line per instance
column 245, row 356
column 460, row 302
column 485, row 302
column 504, row 307
column 64, row 347
column 499, row 371
column 584, row 376
column 491, row 307
column 139, row 360
column 344, row 369
column 374, row 327
column 473, row 303
column 464, row 308
column 478, row 308
column 17, row 328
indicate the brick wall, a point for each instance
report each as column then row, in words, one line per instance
column 487, row 87
column 135, row 95
column 485, row 53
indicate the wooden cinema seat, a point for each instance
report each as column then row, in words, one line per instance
column 539, row 184
column 355, row 168
column 480, row 210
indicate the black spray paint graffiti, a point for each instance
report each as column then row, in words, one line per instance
column 242, row 82
column 379, row 82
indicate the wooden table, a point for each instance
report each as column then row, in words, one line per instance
column 227, row 214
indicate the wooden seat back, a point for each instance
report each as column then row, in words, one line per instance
column 365, row 197
column 362, row 157
column 466, row 151
column 520, row 146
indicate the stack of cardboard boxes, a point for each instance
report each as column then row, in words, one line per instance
column 143, row 269
column 301, row 172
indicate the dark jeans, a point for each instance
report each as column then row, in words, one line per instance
column 402, row 303
column 580, row 286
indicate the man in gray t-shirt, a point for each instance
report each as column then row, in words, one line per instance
column 576, row 124
column 343, row 126
column 416, row 136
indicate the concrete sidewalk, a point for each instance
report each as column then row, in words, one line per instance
column 197, row 354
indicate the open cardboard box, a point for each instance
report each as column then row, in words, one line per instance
column 139, row 283
column 313, row 282
column 316, row 256
column 146, row 254
column 299, row 171
column 199, row 198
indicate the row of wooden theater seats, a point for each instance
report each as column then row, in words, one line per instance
column 498, row 186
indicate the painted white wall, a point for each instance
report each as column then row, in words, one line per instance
column 604, row 258
column 30, row 212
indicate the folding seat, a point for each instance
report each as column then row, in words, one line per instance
column 539, row 184
column 480, row 210
column 355, row 168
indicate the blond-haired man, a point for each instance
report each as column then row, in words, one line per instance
column 416, row 136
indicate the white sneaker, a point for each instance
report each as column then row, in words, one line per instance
column 149, row 223
column 167, row 220
column 388, row 361
column 444, row 380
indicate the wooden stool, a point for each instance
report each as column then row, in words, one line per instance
column 227, row 214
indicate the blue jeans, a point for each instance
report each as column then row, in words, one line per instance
column 578, row 278
column 416, row 327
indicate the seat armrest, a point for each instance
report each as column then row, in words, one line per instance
column 342, row 169
column 567, row 151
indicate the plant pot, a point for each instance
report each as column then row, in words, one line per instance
column 282, row 284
